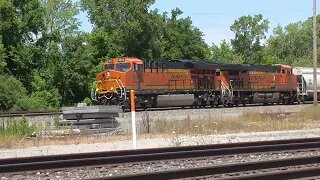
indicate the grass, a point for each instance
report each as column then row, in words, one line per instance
column 20, row 133
column 15, row 131
column 249, row 122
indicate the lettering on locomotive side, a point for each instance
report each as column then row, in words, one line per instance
column 178, row 76
column 256, row 78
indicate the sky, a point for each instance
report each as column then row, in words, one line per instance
column 214, row 17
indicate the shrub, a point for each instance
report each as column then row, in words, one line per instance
column 19, row 128
column 31, row 104
column 11, row 90
column 87, row 101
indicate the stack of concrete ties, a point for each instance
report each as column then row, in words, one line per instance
column 91, row 117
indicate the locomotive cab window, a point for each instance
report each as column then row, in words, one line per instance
column 138, row 67
column 109, row 67
column 123, row 67
column 218, row 72
column 163, row 66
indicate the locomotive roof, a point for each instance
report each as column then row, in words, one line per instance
column 189, row 64
column 249, row 67
column 181, row 64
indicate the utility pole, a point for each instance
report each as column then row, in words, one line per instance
column 315, row 88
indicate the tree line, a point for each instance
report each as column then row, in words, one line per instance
column 47, row 62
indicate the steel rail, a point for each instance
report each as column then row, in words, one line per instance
column 145, row 155
column 153, row 150
column 29, row 113
column 307, row 172
column 236, row 168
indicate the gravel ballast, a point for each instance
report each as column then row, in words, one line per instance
column 168, row 141
column 145, row 167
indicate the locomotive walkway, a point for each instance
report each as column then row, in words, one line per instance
column 278, row 168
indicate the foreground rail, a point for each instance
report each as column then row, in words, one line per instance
column 15, row 165
column 269, row 169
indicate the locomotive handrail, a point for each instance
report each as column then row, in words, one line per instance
column 231, row 88
column 122, row 88
column 224, row 88
column 119, row 87
column 226, row 91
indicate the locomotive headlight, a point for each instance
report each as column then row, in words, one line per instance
column 108, row 74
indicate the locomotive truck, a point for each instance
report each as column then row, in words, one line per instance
column 195, row 84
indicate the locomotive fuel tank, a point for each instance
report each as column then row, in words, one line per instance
column 175, row 100
column 307, row 74
column 266, row 97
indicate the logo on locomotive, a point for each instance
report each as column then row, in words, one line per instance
column 178, row 76
column 256, row 78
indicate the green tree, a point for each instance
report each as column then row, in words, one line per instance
column 60, row 17
column 21, row 23
column 128, row 28
column 249, row 35
column 288, row 44
column 64, row 58
column 11, row 90
column 99, row 41
column 60, row 21
column 79, row 69
column 2, row 56
column 224, row 53
column 181, row 39
column 27, row 60
column 124, row 21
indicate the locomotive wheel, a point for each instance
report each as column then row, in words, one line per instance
column 301, row 100
column 291, row 101
column 144, row 107
column 236, row 103
column 286, row 101
column 244, row 104
column 103, row 101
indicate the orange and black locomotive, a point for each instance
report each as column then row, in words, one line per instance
column 193, row 83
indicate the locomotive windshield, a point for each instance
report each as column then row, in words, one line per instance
column 123, row 67
column 109, row 67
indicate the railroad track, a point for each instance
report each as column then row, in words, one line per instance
column 273, row 168
column 294, row 168
column 49, row 113
column 29, row 113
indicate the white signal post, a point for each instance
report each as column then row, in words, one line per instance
column 315, row 46
column 133, row 120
